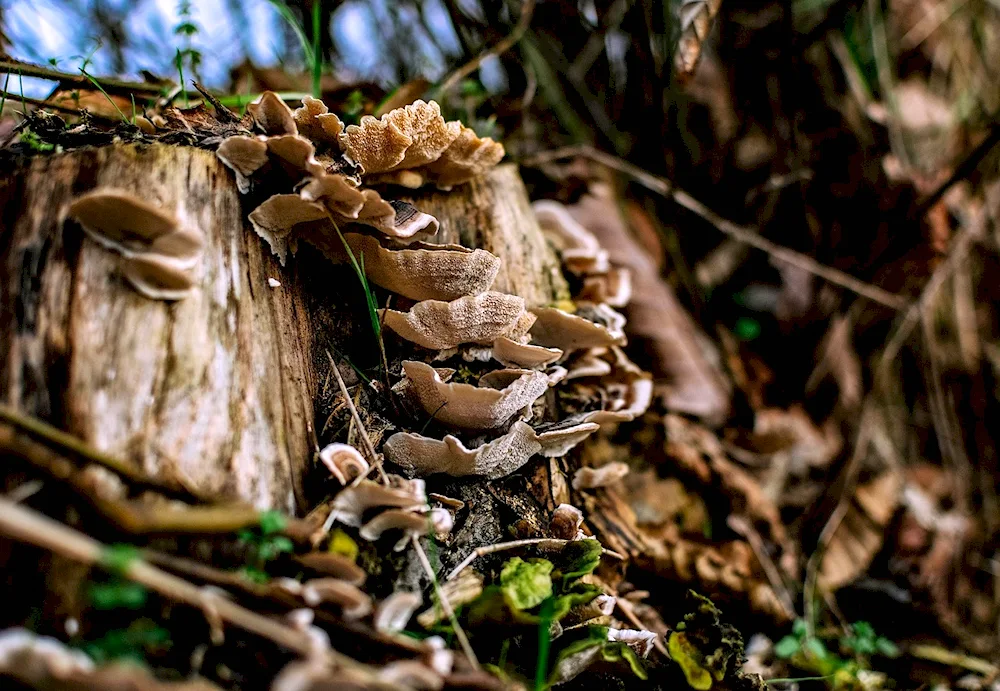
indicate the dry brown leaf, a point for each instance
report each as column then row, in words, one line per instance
column 860, row 534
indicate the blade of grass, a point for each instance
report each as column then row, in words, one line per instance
column 286, row 13
column 544, row 643
column 3, row 99
column 100, row 88
column 369, row 295
column 317, row 63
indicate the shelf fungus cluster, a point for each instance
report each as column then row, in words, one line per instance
column 328, row 170
column 158, row 255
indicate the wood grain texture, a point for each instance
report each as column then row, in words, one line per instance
column 214, row 390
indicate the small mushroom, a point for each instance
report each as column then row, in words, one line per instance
column 439, row 325
column 157, row 276
column 566, row 521
column 580, row 250
column 315, row 121
column 184, row 246
column 636, row 398
column 495, row 459
column 121, row 221
column 408, row 223
column 394, row 612
column 592, row 478
column 354, row 603
column 296, row 152
column 333, row 565
column 337, row 193
column 473, row 407
column 555, row 328
column 411, row 674
column 558, row 438
column 640, row 641
column 466, row 158
column 352, row 502
column 244, row 156
column 412, row 524
column 613, row 288
column 343, row 461
column 272, row 114
column 590, row 363
column 275, row 217
column 426, row 272
column 511, row 353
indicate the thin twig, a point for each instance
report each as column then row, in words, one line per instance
column 369, row 447
column 445, row 604
column 75, row 79
column 501, row 47
column 963, row 170
column 542, row 542
column 743, row 234
column 743, row 527
column 26, row 525
column 221, row 112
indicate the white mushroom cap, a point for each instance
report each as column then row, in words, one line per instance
column 613, row 288
column 411, row 674
column 121, row 221
column 495, row 459
column 354, row 602
column 511, row 353
column 635, row 402
column 244, row 156
column 557, row 439
column 592, row 478
column 580, row 250
column 352, row 502
column 343, row 461
column 438, row 521
column 639, row 640
column 473, row 407
column 158, row 277
column 394, row 612
column 272, row 114
column 438, row 325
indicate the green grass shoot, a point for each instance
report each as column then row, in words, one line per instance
column 92, row 80
column 544, row 643
column 317, row 63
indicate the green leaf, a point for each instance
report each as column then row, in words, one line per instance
column 886, row 647
column 526, row 584
column 578, row 558
column 272, row 522
column 787, row 646
column 747, row 329
column 799, row 628
column 186, row 29
column 126, row 595
column 118, row 558
column 616, row 652
column 815, row 647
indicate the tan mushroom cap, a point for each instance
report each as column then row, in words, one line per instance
column 353, row 501
column 580, row 250
column 343, row 461
column 613, row 287
column 592, row 478
column 411, row 523
column 405, row 137
column 315, row 121
column 337, row 193
column 272, row 114
column 184, row 246
column 158, row 277
column 333, row 565
column 426, row 272
column 473, row 407
column 466, row 158
column 439, row 325
column 566, row 521
column 636, row 398
column 590, row 363
column 394, row 612
column 495, row 459
column 121, row 221
column 244, row 156
column 556, row 328
column 408, row 223
column 559, row 438
column 275, row 218
column 296, row 152
column 354, row 602
column 511, row 353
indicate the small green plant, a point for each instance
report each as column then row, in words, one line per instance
column 359, row 270
column 811, row 653
column 265, row 543
column 141, row 638
column 354, row 107
column 187, row 54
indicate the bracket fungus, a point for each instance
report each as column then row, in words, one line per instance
column 425, row 456
column 352, row 502
column 157, row 276
column 276, row 217
column 466, row 158
column 354, row 602
column 315, row 121
column 296, row 152
column 439, row 325
column 565, row 523
column 592, row 478
column 412, row 524
column 473, row 407
column 343, row 461
column 244, row 156
column 403, row 138
column 556, row 328
column 120, row 221
column 426, row 272
column 580, row 250
column 511, row 353
column 393, row 613
column 272, row 114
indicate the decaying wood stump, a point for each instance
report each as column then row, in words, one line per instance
column 219, row 390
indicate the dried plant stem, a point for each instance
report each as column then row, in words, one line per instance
column 369, row 447
column 449, row 611
column 743, row 527
column 29, row 526
column 110, row 84
column 746, row 235
column 542, row 542
column 501, row 47
column 626, row 608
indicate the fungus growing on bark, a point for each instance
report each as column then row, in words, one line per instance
column 244, row 156
column 343, row 461
column 566, row 521
column 354, row 602
column 334, row 565
column 580, row 251
column 121, row 221
column 559, row 437
column 438, row 325
column 403, row 138
column 466, row 158
column 314, row 120
column 275, row 217
column 497, row 458
column 614, row 287
column 633, row 401
column 338, row 193
column 157, row 276
column 394, row 612
column 297, row 152
column 352, row 502
column 411, row 523
column 426, row 272
column 556, row 328
column 592, row 478
column 511, row 353
column 473, row 407
column 272, row 114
